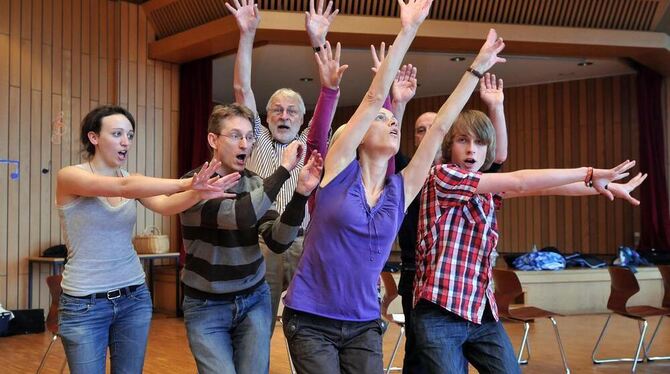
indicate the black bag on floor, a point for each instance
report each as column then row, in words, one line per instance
column 26, row 321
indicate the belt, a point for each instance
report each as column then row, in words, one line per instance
column 111, row 294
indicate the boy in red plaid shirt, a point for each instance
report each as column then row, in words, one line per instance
column 455, row 316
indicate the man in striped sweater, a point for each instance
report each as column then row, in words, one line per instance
column 227, row 307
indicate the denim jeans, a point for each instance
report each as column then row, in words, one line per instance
column 88, row 326
column 230, row 336
column 329, row 346
column 447, row 342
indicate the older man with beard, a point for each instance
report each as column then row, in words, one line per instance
column 285, row 115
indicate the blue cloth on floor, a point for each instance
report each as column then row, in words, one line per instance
column 629, row 258
column 540, row 261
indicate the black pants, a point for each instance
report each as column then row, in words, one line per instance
column 411, row 363
column 329, row 346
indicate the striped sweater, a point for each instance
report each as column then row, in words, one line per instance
column 223, row 258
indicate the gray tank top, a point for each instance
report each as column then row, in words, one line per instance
column 98, row 236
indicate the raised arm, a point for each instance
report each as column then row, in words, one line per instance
column 403, row 90
column 330, row 75
column 248, row 17
column 317, row 23
column 491, row 93
column 341, row 153
column 416, row 172
column 279, row 232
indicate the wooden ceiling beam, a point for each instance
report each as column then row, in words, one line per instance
column 221, row 37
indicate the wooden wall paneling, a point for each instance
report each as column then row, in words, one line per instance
column 15, row 44
column 617, row 99
column 4, row 144
column 149, row 133
column 23, row 214
column 36, row 39
column 103, row 49
column 603, row 143
column 96, row 30
column 550, row 136
column 635, row 140
column 165, row 154
column 567, row 152
column 57, row 52
column 123, row 54
column 45, row 148
column 13, row 198
column 539, row 217
column 4, row 17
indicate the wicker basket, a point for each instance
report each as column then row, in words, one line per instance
column 151, row 241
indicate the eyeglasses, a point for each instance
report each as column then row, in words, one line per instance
column 236, row 138
column 278, row 111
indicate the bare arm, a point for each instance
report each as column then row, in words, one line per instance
column 248, row 18
column 619, row 190
column 342, row 153
column 491, row 93
column 533, row 182
column 73, row 181
column 416, row 171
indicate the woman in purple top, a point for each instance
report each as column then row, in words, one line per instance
column 331, row 314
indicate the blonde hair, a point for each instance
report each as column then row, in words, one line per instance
column 290, row 94
column 476, row 124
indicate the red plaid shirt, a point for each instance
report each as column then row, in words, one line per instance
column 457, row 233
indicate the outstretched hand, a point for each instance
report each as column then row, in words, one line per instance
column 488, row 54
column 246, row 14
column 292, row 154
column 414, row 12
column 310, row 174
column 491, row 91
column 317, row 22
column 404, row 85
column 213, row 187
column 603, row 177
column 622, row 191
column 378, row 58
column 330, row 71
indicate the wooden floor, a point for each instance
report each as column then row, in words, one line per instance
column 168, row 350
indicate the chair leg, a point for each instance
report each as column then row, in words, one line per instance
column 524, row 344
column 595, row 349
column 653, row 336
column 390, row 368
column 44, row 358
column 640, row 344
column 560, row 345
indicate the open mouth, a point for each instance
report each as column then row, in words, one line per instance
column 123, row 154
column 470, row 161
column 283, row 127
column 241, row 157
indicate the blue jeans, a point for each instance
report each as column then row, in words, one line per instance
column 447, row 342
column 88, row 326
column 329, row 346
column 230, row 336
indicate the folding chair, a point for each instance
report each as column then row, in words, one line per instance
column 53, row 282
column 665, row 275
column 509, row 288
column 624, row 286
column 398, row 319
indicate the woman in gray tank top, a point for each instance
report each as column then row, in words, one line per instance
column 105, row 302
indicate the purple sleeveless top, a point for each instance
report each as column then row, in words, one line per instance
column 345, row 248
